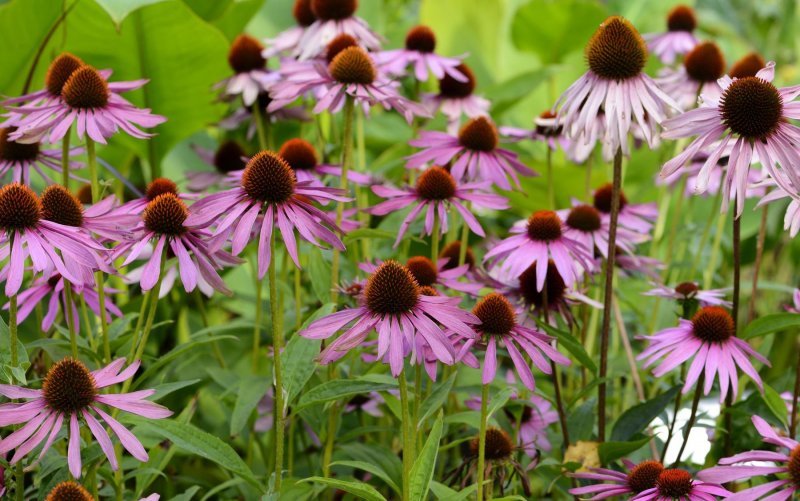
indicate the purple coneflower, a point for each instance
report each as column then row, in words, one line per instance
column 251, row 74
column 754, row 115
column 334, row 18
column 539, row 241
column 639, row 218
column 456, row 98
column 419, row 53
column 71, row 391
column 69, row 490
column 164, row 223
column 473, row 154
column 615, row 88
column 24, row 232
column 499, row 326
column 89, row 102
column 546, row 129
column 586, row 225
column 761, row 463
column 287, row 41
column 691, row 291
column 229, row 157
column 403, row 318
column 678, row 484
column 636, row 479
column 435, row 191
column 791, row 220
column 428, row 274
column 269, row 189
column 102, row 218
column 748, row 66
column 57, row 75
column 678, row 39
column 709, row 338
column 701, row 69
column 302, row 158
column 156, row 187
column 20, row 158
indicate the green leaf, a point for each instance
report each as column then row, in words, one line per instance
column 370, row 468
column 769, row 324
column 581, row 420
column 299, row 357
column 119, row 10
column 368, row 234
column 424, row 466
column 610, row 451
column 436, row 399
column 358, row 489
column 188, row 494
column 195, row 441
column 554, row 28
column 636, row 418
column 340, row 388
column 11, row 373
column 508, row 93
column 377, row 455
column 23, row 26
column 571, row 344
column 165, row 389
column 319, row 272
column 251, row 389
column 445, row 493
column 776, row 404
column 498, row 400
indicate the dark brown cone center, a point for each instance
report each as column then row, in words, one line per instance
column 616, row 51
column 303, row 14
column 747, row 66
column 479, row 134
column 85, row 89
column 329, row 10
column 436, row 183
column 752, row 108
column 353, row 66
column 423, row 270
column 62, row 207
column 553, row 284
column 16, row 152
column 544, row 226
column 299, row 154
column 498, row 445
column 584, row 218
column 644, row 475
column 674, row 483
column 159, row 186
column 705, row 63
column 681, row 18
column 20, row 208
column 603, row 196
column 421, row 39
column 69, row 491
column 451, row 88
column 245, row 54
column 69, row 387
column 713, row 324
column 339, row 44
column 59, row 72
column 453, row 253
column 391, row 289
column 496, row 314
column 268, row 178
column 229, row 157
column 165, row 215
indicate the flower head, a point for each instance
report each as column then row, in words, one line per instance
column 748, row 66
column 288, row 40
column 690, row 294
column 701, row 69
column 679, row 484
column 251, row 76
column 679, row 37
column 20, row 158
column 334, row 18
column 638, row 218
column 636, row 479
column 457, row 98
column 229, row 157
column 419, row 54
column 69, row 491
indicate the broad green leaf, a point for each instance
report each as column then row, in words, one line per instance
column 581, row 420
column 508, row 93
column 770, row 324
column 636, row 418
column 236, row 17
column 554, row 28
column 339, row 388
column 571, row 344
column 424, row 466
column 119, row 10
column 358, row 489
column 436, row 399
column 195, row 441
column 610, row 451
column 776, row 404
column 369, row 468
column 498, row 400
column 250, row 391
column 165, row 389
column 24, row 24
column 377, row 455
column 445, row 493
column 299, row 357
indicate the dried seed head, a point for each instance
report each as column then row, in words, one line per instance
column 85, row 89
column 674, row 484
column 423, row 270
column 391, row 289
column 268, row 178
column 421, row 39
column 334, row 9
column 453, row 252
column 713, row 324
column 165, row 215
column 553, row 284
column 69, row 491
column 752, row 108
column 353, row 66
column 303, row 14
column 687, row 289
column 498, row 445
column 644, row 475
column 584, row 218
column 451, row 88
column 794, row 466
column 479, row 134
column 229, row 157
column 436, row 183
column 339, row 44
column 69, row 387
column 159, row 186
column 12, row 151
column 245, row 54
column 602, row 199
column 496, row 315
column 20, row 208
column 299, row 154
column 616, row 51
column 62, row 207
column 681, row 18
column 705, row 63
column 544, row 226
column 747, row 66
column 59, row 72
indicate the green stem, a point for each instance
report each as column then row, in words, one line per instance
column 479, row 475
column 65, row 159
column 708, row 277
column 347, row 154
column 201, row 307
column 258, row 313
column 704, row 237
column 408, row 438
column 98, row 276
column 69, row 315
column 464, row 243
column 261, row 126
column 140, row 341
column 435, row 240
column 277, row 348
column 298, row 298
column 551, row 191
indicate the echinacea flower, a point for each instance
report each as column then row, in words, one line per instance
column 251, row 76
column 268, row 188
column 678, row 39
column 753, row 115
column 543, row 238
column 164, row 224
column 435, row 191
column 499, row 326
column 615, row 89
column 69, row 490
column 609, row 483
column 101, row 218
column 20, row 158
column 457, row 98
column 709, row 341
column 586, row 224
column 698, row 74
column 158, row 186
column 24, row 232
column 691, row 291
column 761, row 463
column 287, row 41
column 546, row 129
column 419, row 53
column 70, row 392
column 748, row 66
column 334, row 18
column 59, row 71
column 90, row 103
column 452, row 252
column 791, row 219
column 404, row 319
column 473, row 154
column 677, row 484
column 302, row 158
column 228, row 157
column 428, row 274
column 639, row 218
